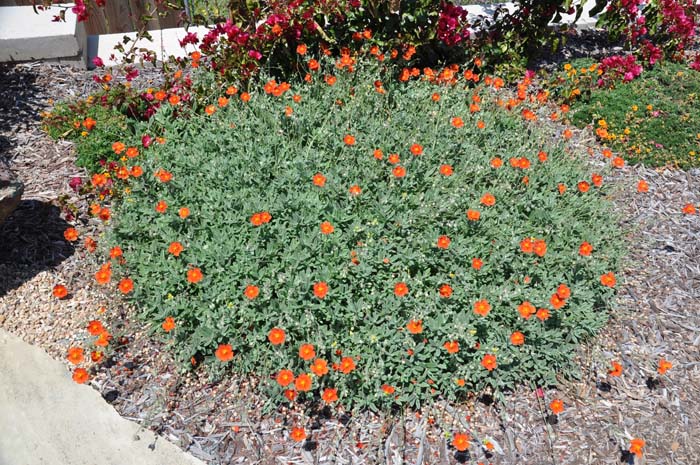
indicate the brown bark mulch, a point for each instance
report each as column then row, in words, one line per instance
column 658, row 315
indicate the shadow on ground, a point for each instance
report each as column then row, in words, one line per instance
column 31, row 241
column 19, row 99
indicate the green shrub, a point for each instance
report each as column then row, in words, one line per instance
column 255, row 157
column 93, row 144
column 664, row 129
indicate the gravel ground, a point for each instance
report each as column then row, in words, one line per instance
column 658, row 316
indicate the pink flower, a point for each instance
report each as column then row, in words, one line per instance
column 97, row 61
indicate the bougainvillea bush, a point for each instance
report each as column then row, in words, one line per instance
column 367, row 241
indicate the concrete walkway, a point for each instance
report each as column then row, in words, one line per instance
column 47, row 419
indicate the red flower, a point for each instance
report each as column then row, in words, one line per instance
column 443, row 242
column 60, row 291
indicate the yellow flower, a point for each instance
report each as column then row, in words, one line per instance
column 567, row 67
column 650, row 107
column 635, row 108
column 602, row 123
column 627, row 131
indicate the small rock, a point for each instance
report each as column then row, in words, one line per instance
column 11, row 190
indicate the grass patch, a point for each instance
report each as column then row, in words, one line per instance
column 652, row 120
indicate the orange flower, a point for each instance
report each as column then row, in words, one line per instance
column 231, row 90
column 488, row 200
column 394, row 158
column 297, row 434
column 399, row 172
column 562, row 188
column 477, row 263
column 321, row 289
column 90, row 244
column 301, row 49
column 445, row 291
column 607, row 153
column 567, row 133
column 457, row 122
column 132, row 152
column 194, row 275
column 319, row 367
column 400, row 289
column 96, row 356
column 597, row 180
column 542, row 314
column 583, row 186
column 103, row 275
column 642, row 186
column 489, row 362
column 163, row 175
column 80, row 375
column 563, row 291
column 416, row 149
column 664, row 366
column 616, row 369
column 526, row 310
column 174, row 99
column 355, row 190
column 542, row 156
column 160, row 95
column 636, row 446
column 256, row 219
column 689, row 209
column 480, row 124
column 224, row 352
column 378, row 154
column 527, row 245
column 326, row 228
column 161, row 206
column 245, row 97
column 251, row 291
column 116, row 252
column 183, row 212
column 276, row 336
column 517, row 338
column 473, row 215
column 608, row 279
column 540, row 248
column 285, row 377
column 70, row 234
column 557, row 302
column 303, row 383
column 307, row 352
column 175, row 248
column 349, row 140
column 118, row 147
column 75, row 355
column 329, row 395
column 435, row 97
column 446, row 170
column 496, row 162
column 95, row 328
column 388, row 389
column 103, row 339
column 222, row 101
column 60, row 291
column 443, row 242
column 482, row 307
column 618, row 162
column 314, row 65
column 585, row 249
column 460, row 441
column 415, row 326
column 557, row 406
column 452, row 347
column 347, row 365
column 168, row 324
column 126, row 285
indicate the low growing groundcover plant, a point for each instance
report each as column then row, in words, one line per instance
column 367, row 243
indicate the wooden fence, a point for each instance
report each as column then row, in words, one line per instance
column 117, row 16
